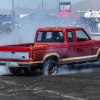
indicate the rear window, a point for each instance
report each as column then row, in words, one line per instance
column 50, row 37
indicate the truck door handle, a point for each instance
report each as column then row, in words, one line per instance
column 79, row 44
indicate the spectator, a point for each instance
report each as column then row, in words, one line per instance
column 93, row 26
column 1, row 28
column 97, row 19
column 99, row 27
column 7, row 30
column 74, row 24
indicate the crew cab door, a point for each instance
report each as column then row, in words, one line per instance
column 84, row 44
column 71, row 44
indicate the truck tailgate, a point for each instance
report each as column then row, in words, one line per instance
column 10, row 53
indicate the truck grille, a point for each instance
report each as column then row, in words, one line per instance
column 15, row 55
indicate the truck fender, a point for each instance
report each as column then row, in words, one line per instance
column 98, row 54
column 51, row 55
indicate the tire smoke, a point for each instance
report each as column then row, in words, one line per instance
column 78, row 68
column 4, row 70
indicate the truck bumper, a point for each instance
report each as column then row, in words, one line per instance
column 18, row 64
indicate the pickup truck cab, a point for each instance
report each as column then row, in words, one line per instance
column 53, row 46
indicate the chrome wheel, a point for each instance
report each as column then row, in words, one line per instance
column 50, row 67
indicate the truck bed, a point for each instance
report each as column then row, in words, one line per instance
column 18, row 52
column 22, row 45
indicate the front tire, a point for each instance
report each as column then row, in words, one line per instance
column 50, row 67
column 15, row 71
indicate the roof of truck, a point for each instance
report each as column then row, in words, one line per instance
column 58, row 28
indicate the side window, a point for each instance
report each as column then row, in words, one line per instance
column 70, row 36
column 61, row 34
column 39, row 37
column 81, row 36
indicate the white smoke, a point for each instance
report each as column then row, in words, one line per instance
column 24, row 34
column 4, row 70
column 66, row 70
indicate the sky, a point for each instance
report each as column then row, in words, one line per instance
column 33, row 4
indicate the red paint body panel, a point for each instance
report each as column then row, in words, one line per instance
column 97, row 44
column 86, row 48
column 71, row 46
column 14, row 60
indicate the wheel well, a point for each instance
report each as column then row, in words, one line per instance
column 53, row 57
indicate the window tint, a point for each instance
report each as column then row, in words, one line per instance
column 39, row 36
column 70, row 36
column 50, row 37
column 61, row 34
column 81, row 36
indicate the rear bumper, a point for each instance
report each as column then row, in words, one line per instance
column 20, row 64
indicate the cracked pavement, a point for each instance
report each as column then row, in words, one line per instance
column 81, row 85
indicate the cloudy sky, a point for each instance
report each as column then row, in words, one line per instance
column 7, row 4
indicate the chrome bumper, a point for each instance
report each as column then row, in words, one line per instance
column 20, row 64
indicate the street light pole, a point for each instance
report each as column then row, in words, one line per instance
column 42, row 6
column 57, row 3
column 13, row 12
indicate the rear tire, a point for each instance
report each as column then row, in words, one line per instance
column 15, row 71
column 50, row 67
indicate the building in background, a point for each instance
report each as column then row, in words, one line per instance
column 65, row 6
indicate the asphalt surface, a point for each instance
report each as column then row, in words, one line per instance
column 80, row 83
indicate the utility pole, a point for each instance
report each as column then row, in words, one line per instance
column 42, row 6
column 13, row 12
column 57, row 3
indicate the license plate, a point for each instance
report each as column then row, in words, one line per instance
column 14, row 64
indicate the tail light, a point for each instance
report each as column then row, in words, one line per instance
column 31, row 56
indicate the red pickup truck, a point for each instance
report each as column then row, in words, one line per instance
column 53, row 46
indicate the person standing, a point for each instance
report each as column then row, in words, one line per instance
column 99, row 27
column 7, row 30
column 93, row 26
column 1, row 29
